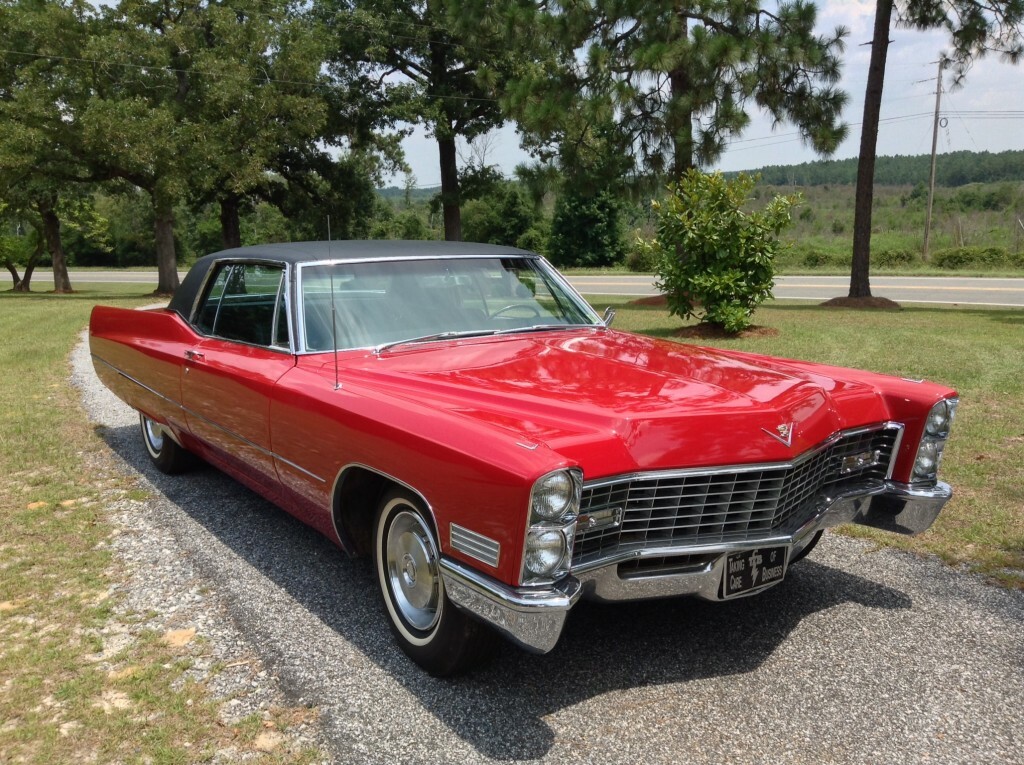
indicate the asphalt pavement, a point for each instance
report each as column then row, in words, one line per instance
column 862, row 655
column 952, row 290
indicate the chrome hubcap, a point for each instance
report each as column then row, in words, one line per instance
column 412, row 570
column 154, row 434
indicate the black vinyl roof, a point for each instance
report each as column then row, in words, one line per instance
column 347, row 249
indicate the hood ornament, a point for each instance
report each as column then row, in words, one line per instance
column 783, row 433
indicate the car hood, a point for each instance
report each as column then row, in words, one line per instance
column 615, row 402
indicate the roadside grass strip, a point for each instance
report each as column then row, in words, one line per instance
column 82, row 677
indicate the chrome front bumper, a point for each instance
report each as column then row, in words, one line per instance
column 533, row 619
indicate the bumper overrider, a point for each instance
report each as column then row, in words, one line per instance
column 533, row 617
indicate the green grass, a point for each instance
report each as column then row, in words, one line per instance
column 58, row 703
column 974, row 350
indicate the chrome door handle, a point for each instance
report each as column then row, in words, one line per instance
column 194, row 356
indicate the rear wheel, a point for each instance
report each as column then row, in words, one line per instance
column 430, row 630
column 166, row 454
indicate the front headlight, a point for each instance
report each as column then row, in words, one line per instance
column 551, row 527
column 933, row 441
column 553, row 495
column 545, row 550
column 940, row 418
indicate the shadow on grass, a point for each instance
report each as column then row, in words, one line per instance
column 500, row 710
column 87, row 294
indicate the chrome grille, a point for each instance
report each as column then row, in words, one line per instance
column 726, row 504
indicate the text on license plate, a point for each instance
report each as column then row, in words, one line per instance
column 753, row 569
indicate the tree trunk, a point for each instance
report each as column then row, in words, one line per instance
column 14, row 275
column 860, row 285
column 166, row 259
column 26, row 278
column 680, row 121
column 230, row 228
column 51, row 232
column 24, row 284
column 450, row 197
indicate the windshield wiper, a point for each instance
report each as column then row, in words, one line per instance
column 453, row 334
column 544, row 327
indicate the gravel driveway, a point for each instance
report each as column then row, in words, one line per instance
column 861, row 656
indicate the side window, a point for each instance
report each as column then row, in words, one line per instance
column 243, row 304
column 207, row 315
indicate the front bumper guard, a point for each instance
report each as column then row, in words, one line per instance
column 534, row 618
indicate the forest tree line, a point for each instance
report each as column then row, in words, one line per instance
column 955, row 168
column 275, row 117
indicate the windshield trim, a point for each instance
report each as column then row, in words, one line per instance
column 539, row 263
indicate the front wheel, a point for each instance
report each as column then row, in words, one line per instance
column 429, row 629
column 166, row 454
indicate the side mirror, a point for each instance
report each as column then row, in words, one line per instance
column 609, row 316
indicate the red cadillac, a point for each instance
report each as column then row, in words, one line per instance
column 459, row 413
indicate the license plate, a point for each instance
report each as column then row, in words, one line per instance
column 753, row 569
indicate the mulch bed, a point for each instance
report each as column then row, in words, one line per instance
column 870, row 303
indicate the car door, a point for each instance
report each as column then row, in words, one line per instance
column 228, row 376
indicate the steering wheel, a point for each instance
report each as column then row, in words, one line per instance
column 512, row 306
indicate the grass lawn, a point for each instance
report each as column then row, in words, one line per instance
column 978, row 351
column 59, row 703
column 65, row 695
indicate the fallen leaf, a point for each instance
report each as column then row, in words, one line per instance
column 121, row 674
column 268, row 742
column 178, row 638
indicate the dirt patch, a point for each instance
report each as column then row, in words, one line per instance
column 868, row 303
column 711, row 332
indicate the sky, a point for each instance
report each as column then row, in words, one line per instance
column 908, row 103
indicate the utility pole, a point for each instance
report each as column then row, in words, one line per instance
column 935, row 142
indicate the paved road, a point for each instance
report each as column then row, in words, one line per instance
column 904, row 289
column 861, row 656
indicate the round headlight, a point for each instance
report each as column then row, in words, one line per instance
column 545, row 549
column 927, row 459
column 938, row 420
column 552, row 495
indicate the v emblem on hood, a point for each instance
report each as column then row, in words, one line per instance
column 783, row 433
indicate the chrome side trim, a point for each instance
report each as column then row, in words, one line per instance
column 141, row 384
column 531, row 618
column 475, row 545
column 190, row 413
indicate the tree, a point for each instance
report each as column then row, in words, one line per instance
column 258, row 93
column 42, row 95
column 975, row 27
column 677, row 78
column 424, row 72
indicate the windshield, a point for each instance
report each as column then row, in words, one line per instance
column 386, row 302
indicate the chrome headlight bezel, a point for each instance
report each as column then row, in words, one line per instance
column 937, row 426
column 551, row 526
